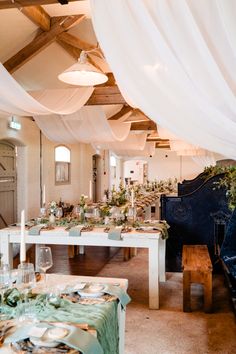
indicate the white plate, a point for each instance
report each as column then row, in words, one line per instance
column 47, row 341
column 92, row 291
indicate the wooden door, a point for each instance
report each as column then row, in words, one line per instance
column 7, row 184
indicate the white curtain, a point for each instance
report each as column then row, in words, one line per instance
column 87, row 125
column 175, row 60
column 14, row 100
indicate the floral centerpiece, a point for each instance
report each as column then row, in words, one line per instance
column 52, row 207
column 83, row 206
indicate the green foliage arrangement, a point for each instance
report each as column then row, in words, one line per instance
column 227, row 181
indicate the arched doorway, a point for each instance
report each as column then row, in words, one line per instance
column 8, row 184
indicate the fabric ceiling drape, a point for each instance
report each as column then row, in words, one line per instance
column 148, row 151
column 133, row 142
column 87, row 125
column 14, row 100
column 175, row 61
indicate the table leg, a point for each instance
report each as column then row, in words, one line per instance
column 186, row 291
column 162, row 259
column 81, row 249
column 157, row 209
column 208, row 292
column 153, row 275
column 126, row 253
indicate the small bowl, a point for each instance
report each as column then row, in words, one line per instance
column 96, row 288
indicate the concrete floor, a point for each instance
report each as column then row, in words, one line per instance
column 170, row 330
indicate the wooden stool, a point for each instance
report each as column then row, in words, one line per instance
column 197, row 268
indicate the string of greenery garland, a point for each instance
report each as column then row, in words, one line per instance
column 228, row 181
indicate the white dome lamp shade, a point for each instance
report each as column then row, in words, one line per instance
column 83, row 73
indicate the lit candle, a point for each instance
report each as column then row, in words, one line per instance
column 22, row 237
column 132, row 198
column 90, row 190
column 44, row 195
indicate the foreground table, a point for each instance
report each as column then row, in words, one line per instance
column 58, row 236
column 59, row 279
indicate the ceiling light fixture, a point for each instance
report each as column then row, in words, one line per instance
column 83, row 73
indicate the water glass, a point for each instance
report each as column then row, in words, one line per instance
column 5, row 283
column 25, row 277
column 59, row 212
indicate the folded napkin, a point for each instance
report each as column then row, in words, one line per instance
column 78, row 339
column 75, row 230
column 35, row 230
column 120, row 293
column 115, row 233
column 163, row 227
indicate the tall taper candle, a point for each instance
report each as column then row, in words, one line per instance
column 44, row 195
column 22, row 237
column 90, row 190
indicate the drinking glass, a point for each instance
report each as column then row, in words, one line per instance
column 44, row 261
column 25, row 281
column 59, row 212
column 5, row 283
column 25, row 277
column 76, row 211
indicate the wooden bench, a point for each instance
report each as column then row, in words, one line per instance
column 197, row 268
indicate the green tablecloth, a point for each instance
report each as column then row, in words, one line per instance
column 103, row 317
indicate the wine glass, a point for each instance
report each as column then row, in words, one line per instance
column 44, row 261
column 5, row 283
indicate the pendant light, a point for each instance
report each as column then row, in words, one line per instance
column 83, row 73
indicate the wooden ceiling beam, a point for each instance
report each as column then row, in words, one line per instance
column 7, row 4
column 106, row 95
column 158, row 140
column 121, row 113
column 75, row 41
column 38, row 16
column 58, row 25
column 148, row 125
column 162, row 146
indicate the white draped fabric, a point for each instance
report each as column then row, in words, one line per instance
column 14, row 100
column 87, row 125
column 148, row 151
column 175, row 61
column 134, row 142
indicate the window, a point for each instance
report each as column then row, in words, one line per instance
column 62, row 165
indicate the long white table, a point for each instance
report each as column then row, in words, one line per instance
column 152, row 241
column 55, row 279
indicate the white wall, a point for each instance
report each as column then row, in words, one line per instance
column 134, row 169
column 81, row 172
column 166, row 164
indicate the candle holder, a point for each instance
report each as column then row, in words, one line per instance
column 131, row 215
column 43, row 211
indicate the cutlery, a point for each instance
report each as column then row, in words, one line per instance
column 3, row 333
